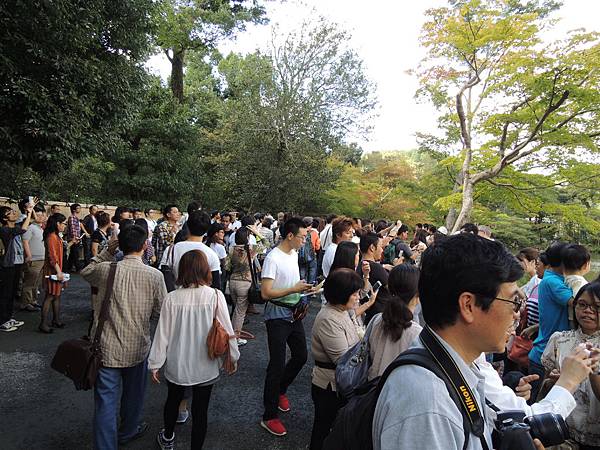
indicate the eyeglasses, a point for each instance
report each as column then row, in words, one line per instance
column 517, row 302
column 583, row 306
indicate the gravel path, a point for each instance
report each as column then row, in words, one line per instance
column 40, row 409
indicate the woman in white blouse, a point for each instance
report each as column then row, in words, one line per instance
column 180, row 345
column 584, row 421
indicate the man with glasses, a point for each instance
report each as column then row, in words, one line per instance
column 470, row 299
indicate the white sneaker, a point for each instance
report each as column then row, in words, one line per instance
column 241, row 342
column 7, row 327
column 16, row 323
column 183, row 416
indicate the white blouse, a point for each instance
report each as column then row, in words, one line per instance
column 180, row 339
column 584, row 421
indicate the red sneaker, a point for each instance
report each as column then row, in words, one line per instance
column 274, row 426
column 284, row 403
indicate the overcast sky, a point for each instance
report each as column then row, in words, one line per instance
column 385, row 34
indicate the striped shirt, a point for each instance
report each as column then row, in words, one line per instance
column 137, row 295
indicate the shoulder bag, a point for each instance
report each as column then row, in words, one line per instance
column 254, row 294
column 167, row 271
column 217, row 341
column 81, row 359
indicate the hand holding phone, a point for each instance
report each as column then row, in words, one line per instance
column 377, row 286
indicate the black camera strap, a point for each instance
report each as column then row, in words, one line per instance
column 469, row 405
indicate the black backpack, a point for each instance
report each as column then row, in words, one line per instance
column 352, row 429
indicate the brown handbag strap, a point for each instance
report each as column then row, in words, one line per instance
column 105, row 303
column 251, row 264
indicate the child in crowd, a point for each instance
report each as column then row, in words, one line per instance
column 576, row 263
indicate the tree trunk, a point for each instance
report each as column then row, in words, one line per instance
column 467, row 206
column 177, row 62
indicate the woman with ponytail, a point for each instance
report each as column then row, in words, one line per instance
column 394, row 330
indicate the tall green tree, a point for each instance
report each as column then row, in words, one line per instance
column 69, row 76
column 186, row 26
column 507, row 99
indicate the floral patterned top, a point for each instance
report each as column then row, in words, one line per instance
column 584, row 421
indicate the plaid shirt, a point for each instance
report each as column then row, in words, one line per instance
column 73, row 227
column 164, row 235
column 137, row 295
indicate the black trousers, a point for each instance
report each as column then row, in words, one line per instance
column 9, row 280
column 279, row 373
column 73, row 263
column 200, row 400
column 535, row 368
column 327, row 405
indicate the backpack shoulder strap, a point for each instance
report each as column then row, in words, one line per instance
column 421, row 357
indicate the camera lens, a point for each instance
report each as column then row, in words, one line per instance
column 549, row 428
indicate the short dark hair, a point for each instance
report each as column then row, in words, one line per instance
column 293, row 226
column 469, row 228
column 345, row 256
column 142, row 223
column 528, row 253
column 103, row 219
column 340, row 285
column 463, row 263
column 132, row 239
column 247, row 220
column 593, row 288
column 92, row 206
column 198, row 223
column 575, row 256
column 267, row 222
column 74, row 207
column 167, row 209
column 214, row 228
column 554, row 254
column 241, row 236
column 3, row 211
column 22, row 204
column 193, row 206
column 226, row 214
column 544, row 259
column 403, row 229
column 147, row 211
column 419, row 225
column 367, row 240
column 330, row 218
column 193, row 270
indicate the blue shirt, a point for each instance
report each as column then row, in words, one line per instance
column 553, row 297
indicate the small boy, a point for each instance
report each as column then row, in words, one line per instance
column 576, row 261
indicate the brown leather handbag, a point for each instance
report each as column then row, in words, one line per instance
column 81, row 359
column 218, row 341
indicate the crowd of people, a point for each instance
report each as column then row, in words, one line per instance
column 378, row 286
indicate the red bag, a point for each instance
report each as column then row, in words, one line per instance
column 519, row 352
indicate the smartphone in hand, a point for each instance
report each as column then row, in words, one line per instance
column 377, row 286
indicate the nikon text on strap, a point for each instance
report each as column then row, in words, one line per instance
column 449, row 367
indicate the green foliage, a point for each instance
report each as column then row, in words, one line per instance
column 70, row 72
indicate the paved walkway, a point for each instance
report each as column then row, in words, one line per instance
column 40, row 409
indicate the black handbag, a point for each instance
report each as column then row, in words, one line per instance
column 254, row 294
column 81, row 359
column 167, row 271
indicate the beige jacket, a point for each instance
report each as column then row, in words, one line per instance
column 333, row 334
column 383, row 349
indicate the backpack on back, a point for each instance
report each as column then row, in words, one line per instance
column 352, row 429
column 306, row 253
column 390, row 252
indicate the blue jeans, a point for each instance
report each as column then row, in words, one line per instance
column 106, row 403
column 308, row 271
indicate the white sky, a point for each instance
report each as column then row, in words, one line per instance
column 385, row 34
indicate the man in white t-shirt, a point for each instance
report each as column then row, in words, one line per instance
column 325, row 236
column 197, row 224
column 281, row 285
column 341, row 229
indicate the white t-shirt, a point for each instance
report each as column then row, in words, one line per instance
column 219, row 250
column 328, row 258
column 186, row 246
column 283, row 269
column 231, row 239
column 326, row 236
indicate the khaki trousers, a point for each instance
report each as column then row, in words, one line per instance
column 32, row 278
